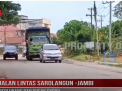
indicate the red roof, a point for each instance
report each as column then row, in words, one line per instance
column 9, row 28
column 53, row 35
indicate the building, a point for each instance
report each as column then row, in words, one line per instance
column 16, row 34
column 53, row 35
column 25, row 23
column 9, row 35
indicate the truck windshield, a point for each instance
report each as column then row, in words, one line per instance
column 39, row 40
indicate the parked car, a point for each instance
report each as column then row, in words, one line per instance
column 50, row 52
column 10, row 51
column 24, row 51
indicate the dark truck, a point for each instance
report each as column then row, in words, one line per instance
column 35, row 37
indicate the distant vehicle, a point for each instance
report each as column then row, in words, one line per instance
column 24, row 51
column 10, row 51
column 50, row 52
column 35, row 37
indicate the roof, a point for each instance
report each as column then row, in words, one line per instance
column 53, row 35
column 36, row 27
column 23, row 15
column 31, row 29
column 14, row 40
column 9, row 28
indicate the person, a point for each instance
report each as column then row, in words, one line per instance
column 30, row 41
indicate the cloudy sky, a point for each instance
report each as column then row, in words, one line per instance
column 60, row 12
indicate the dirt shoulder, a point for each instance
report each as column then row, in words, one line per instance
column 95, row 65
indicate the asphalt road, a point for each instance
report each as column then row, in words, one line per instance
column 22, row 69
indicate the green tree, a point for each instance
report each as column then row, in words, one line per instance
column 116, row 34
column 56, row 41
column 9, row 12
column 118, row 10
column 75, row 31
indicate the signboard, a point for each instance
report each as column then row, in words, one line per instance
column 113, row 58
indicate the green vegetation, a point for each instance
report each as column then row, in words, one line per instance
column 9, row 12
column 55, row 41
column 81, row 31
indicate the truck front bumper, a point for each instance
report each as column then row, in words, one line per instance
column 34, row 55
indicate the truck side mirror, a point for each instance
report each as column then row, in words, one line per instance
column 30, row 39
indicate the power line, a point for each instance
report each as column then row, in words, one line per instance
column 99, row 6
column 106, row 15
column 100, row 9
column 104, row 9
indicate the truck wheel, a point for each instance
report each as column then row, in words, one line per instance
column 27, row 58
column 4, row 57
column 60, row 61
column 30, row 59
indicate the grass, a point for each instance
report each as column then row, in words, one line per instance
column 88, row 58
column 119, row 65
column 80, row 57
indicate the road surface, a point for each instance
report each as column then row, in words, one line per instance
column 23, row 69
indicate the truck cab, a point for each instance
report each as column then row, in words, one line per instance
column 35, row 38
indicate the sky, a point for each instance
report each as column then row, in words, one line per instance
column 60, row 12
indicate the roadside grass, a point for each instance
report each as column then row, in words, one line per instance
column 113, row 65
column 88, row 58
column 119, row 65
column 81, row 57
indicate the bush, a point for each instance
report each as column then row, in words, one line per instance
column 74, row 51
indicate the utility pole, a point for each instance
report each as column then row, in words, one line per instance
column 95, row 18
column 5, row 36
column 110, row 18
column 90, row 15
column 101, row 19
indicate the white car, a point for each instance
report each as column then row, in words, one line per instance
column 50, row 52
